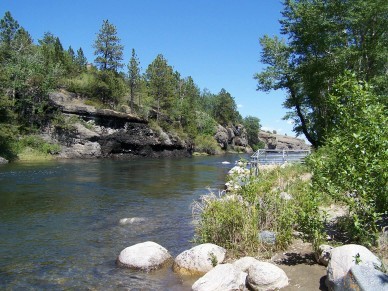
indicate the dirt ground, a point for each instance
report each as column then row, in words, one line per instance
column 301, row 268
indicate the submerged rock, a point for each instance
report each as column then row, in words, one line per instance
column 199, row 259
column 131, row 220
column 144, row 256
column 222, row 277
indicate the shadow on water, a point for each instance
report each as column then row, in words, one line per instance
column 59, row 221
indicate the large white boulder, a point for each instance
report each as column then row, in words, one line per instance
column 144, row 256
column 343, row 258
column 266, row 276
column 199, row 259
column 222, row 277
column 244, row 263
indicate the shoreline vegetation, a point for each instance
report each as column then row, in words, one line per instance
column 261, row 215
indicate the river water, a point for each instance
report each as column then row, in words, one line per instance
column 59, row 220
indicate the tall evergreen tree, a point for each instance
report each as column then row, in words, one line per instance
column 225, row 108
column 161, row 79
column 80, row 59
column 108, row 49
column 133, row 77
column 8, row 28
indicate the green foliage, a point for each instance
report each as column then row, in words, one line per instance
column 353, row 166
column 206, row 144
column 227, row 223
column 161, row 83
column 252, row 125
column 235, row 220
column 133, row 77
column 36, row 143
column 206, row 125
column 108, row 49
column 324, row 39
column 224, row 108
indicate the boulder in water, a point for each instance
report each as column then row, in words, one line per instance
column 144, row 256
column 131, row 220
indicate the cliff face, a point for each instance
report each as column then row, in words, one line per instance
column 277, row 141
column 108, row 133
column 233, row 138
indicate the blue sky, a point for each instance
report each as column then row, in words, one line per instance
column 214, row 41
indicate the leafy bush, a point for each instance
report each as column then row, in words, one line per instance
column 353, row 165
column 38, row 144
column 206, row 144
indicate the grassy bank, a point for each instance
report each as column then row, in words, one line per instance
column 33, row 148
column 278, row 200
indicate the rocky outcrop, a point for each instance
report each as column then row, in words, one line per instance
column 144, row 256
column 69, row 103
column 278, row 141
column 234, row 138
column 98, row 133
column 199, row 259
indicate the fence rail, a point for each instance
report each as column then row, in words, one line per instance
column 267, row 157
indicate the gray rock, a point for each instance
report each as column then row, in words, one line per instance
column 86, row 149
column 3, row 161
column 267, row 237
column 266, row 276
column 323, row 254
column 144, row 256
column 222, row 136
column 343, row 258
column 366, row 279
column 199, row 259
column 222, row 277
column 278, row 141
column 285, row 196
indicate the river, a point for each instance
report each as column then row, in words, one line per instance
column 59, row 220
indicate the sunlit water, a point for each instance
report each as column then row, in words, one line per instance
column 59, row 221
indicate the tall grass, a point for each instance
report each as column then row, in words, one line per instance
column 235, row 219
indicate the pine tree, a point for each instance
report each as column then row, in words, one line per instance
column 108, row 49
column 133, row 77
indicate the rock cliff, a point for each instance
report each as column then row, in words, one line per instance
column 108, row 133
column 233, row 138
column 277, row 141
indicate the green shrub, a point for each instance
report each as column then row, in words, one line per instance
column 206, row 144
column 38, row 144
column 353, row 165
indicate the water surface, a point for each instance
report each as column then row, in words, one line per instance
column 59, row 221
